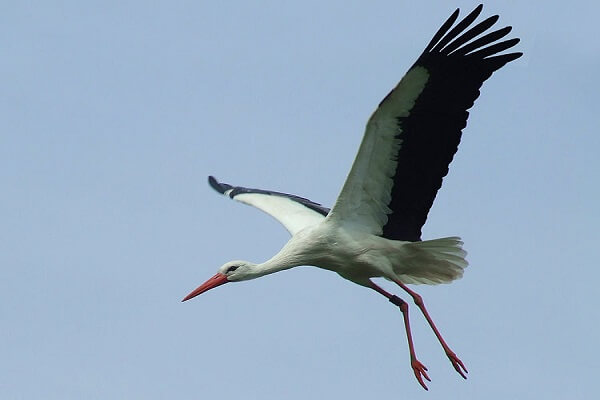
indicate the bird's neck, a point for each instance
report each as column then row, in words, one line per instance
column 303, row 248
column 275, row 264
column 285, row 259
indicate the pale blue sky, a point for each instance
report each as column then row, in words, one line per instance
column 112, row 114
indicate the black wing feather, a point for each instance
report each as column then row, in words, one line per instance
column 443, row 29
column 483, row 41
column 470, row 34
column 430, row 134
column 454, row 32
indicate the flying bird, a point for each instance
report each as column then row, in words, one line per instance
column 374, row 227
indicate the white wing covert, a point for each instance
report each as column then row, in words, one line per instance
column 293, row 212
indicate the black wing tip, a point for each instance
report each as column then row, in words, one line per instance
column 506, row 58
column 477, row 10
column 442, row 30
column 218, row 186
column 452, row 39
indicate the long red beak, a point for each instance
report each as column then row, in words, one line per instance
column 217, row 280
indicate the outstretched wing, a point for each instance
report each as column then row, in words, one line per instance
column 293, row 212
column 413, row 135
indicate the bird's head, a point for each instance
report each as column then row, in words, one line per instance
column 232, row 271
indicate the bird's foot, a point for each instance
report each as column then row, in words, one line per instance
column 420, row 372
column 457, row 364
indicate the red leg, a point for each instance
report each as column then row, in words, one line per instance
column 456, row 362
column 418, row 368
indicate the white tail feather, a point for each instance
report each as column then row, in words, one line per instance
column 432, row 261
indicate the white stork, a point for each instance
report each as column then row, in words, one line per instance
column 374, row 228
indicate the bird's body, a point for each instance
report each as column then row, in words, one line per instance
column 374, row 228
column 359, row 256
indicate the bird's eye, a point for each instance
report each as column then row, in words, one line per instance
column 232, row 268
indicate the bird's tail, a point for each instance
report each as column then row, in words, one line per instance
column 432, row 261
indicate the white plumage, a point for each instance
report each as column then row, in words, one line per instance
column 292, row 215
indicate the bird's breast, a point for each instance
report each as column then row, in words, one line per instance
column 353, row 255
